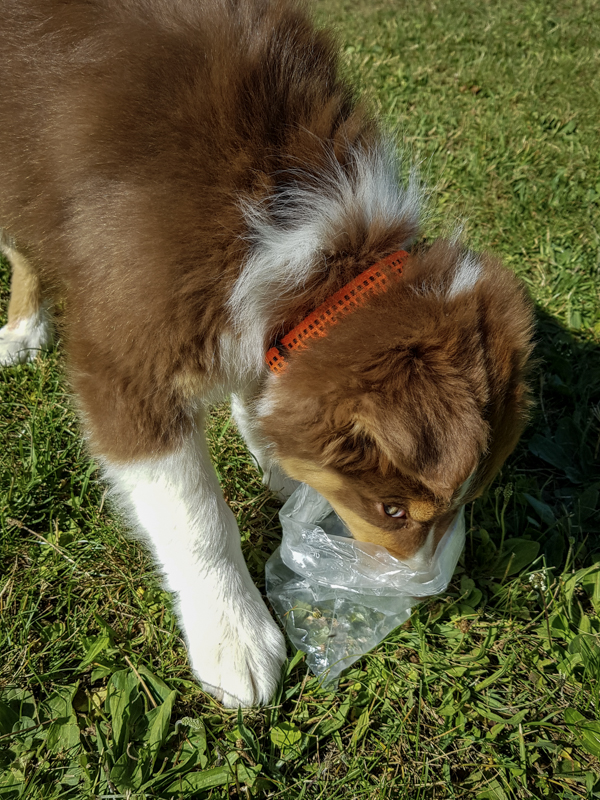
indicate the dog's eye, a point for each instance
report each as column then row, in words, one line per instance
column 394, row 511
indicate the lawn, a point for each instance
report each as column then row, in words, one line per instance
column 491, row 691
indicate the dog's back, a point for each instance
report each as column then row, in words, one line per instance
column 133, row 132
column 118, row 112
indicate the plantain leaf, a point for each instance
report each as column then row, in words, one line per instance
column 543, row 511
column 8, row 717
column 125, row 707
column 516, row 555
column 591, row 583
column 286, row 736
column 362, row 726
column 160, row 690
column 587, row 732
column 231, row 772
column 158, row 726
column 96, row 646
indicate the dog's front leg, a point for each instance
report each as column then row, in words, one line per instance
column 235, row 648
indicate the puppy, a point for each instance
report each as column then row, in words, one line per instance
column 200, row 188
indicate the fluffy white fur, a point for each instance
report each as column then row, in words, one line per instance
column 466, row 276
column 175, row 503
column 24, row 340
column 289, row 234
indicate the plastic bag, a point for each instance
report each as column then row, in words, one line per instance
column 339, row 598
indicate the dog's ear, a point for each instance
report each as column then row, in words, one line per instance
column 507, row 324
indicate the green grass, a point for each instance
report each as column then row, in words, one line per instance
column 491, row 691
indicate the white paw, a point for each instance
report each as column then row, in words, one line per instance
column 239, row 665
column 23, row 341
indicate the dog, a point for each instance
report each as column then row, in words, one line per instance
column 221, row 216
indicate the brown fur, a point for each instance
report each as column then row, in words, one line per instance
column 25, row 289
column 131, row 132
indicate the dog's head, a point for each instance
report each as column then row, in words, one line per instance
column 409, row 406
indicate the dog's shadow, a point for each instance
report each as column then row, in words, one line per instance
column 548, row 491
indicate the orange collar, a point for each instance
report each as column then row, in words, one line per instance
column 353, row 295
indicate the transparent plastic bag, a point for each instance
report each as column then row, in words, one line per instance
column 339, row 598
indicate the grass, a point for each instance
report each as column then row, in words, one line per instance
column 491, row 691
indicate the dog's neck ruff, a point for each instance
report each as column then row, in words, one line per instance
column 373, row 281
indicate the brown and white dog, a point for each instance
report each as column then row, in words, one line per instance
column 194, row 179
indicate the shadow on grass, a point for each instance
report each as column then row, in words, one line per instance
column 548, row 491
